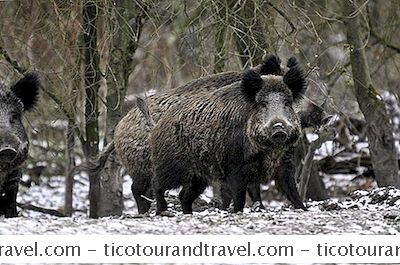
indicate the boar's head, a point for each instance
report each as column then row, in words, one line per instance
column 273, row 122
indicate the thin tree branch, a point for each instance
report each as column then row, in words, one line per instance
column 292, row 26
column 383, row 41
column 21, row 69
column 380, row 39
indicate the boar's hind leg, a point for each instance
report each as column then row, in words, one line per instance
column 161, row 202
column 286, row 183
column 142, row 187
column 190, row 192
column 226, row 195
column 10, row 200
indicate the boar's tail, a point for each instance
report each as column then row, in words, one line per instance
column 144, row 109
column 93, row 167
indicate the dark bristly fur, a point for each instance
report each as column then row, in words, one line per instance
column 14, row 142
column 227, row 134
column 295, row 79
column 251, row 83
column 271, row 66
column 27, row 90
column 131, row 133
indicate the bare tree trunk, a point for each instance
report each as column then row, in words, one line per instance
column 69, row 170
column 91, row 78
column 122, row 49
column 306, row 170
column 379, row 129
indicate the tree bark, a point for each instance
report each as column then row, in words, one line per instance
column 379, row 129
column 91, row 81
column 306, row 171
column 69, row 170
column 120, row 66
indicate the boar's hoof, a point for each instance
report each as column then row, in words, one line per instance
column 300, row 207
column 215, row 203
column 257, row 207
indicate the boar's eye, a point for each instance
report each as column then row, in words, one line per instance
column 263, row 104
column 288, row 102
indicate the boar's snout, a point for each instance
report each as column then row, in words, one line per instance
column 7, row 154
column 279, row 135
column 11, row 147
column 275, row 134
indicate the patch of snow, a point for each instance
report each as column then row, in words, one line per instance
column 311, row 137
column 362, row 147
column 59, row 124
column 364, row 212
column 326, row 149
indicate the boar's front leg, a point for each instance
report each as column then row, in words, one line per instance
column 254, row 192
column 285, row 181
column 9, row 199
column 239, row 199
column 191, row 190
column 225, row 194
column 240, row 178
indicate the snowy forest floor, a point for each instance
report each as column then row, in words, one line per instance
column 363, row 212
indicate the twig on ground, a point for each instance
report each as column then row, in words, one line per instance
column 31, row 207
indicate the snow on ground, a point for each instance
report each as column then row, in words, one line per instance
column 314, row 221
column 364, row 212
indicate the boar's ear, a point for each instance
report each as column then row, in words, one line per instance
column 251, row 83
column 295, row 79
column 27, row 90
column 271, row 66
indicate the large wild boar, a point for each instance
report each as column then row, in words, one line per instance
column 14, row 142
column 131, row 133
column 238, row 133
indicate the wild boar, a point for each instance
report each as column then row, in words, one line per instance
column 14, row 143
column 131, row 133
column 238, row 133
